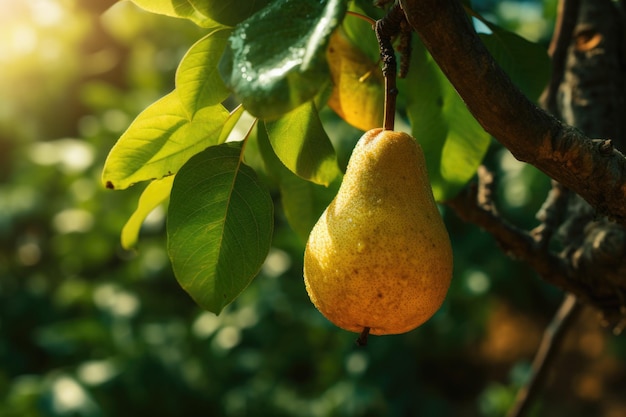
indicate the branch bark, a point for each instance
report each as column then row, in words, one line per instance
column 591, row 168
column 591, row 97
column 567, row 16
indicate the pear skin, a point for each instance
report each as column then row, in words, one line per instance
column 380, row 257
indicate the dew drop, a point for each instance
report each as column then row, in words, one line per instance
column 360, row 247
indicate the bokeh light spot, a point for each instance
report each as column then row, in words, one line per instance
column 73, row 221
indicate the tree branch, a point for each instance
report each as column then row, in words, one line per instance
column 594, row 171
column 475, row 205
column 550, row 344
column 553, row 211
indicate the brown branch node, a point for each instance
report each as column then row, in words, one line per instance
column 551, row 214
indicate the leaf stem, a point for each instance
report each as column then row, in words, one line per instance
column 362, row 17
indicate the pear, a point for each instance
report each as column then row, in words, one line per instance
column 379, row 258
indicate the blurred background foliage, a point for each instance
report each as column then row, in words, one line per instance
column 87, row 329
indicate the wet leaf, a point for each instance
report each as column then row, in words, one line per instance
column 275, row 60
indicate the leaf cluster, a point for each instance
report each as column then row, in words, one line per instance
column 259, row 86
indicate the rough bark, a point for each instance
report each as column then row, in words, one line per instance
column 591, row 96
column 591, row 168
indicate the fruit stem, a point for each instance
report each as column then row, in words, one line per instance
column 362, row 340
column 386, row 28
column 390, row 102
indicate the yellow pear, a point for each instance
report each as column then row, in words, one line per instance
column 379, row 258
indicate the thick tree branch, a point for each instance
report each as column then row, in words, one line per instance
column 590, row 168
column 591, row 260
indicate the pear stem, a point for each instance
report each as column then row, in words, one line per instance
column 390, row 103
column 362, row 340
column 386, row 28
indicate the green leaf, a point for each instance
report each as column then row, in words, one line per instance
column 299, row 140
column 231, row 122
column 177, row 8
column 229, row 12
column 160, row 140
column 453, row 141
column 155, row 193
column 219, row 226
column 276, row 59
column 527, row 63
column 303, row 201
column 198, row 82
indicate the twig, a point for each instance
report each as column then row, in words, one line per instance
column 551, row 214
column 386, row 28
column 550, row 344
column 484, row 195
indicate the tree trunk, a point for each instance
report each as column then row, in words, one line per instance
column 592, row 98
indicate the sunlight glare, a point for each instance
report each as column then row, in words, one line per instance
column 97, row 372
column 205, row 325
column 71, row 155
column 20, row 23
column 22, row 40
column 73, row 220
column 68, row 395
column 47, row 12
